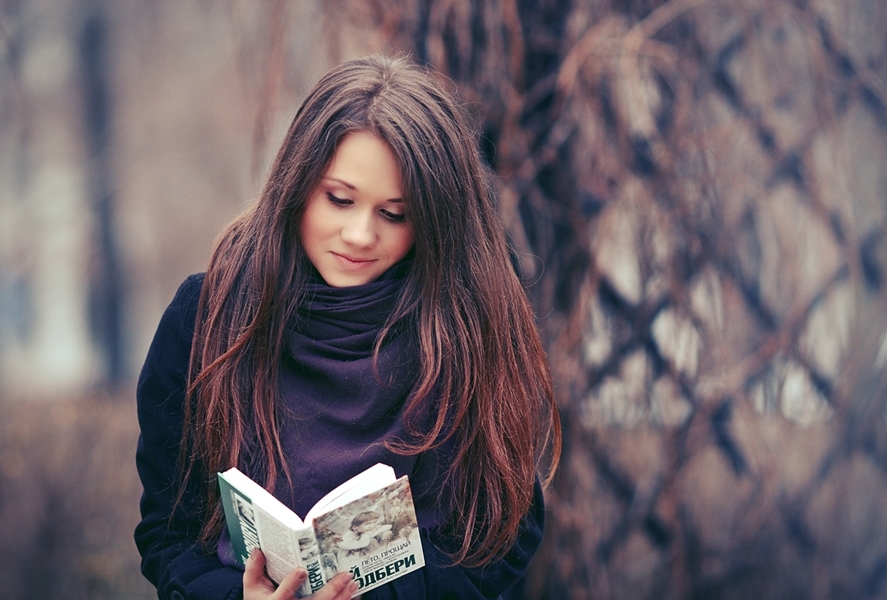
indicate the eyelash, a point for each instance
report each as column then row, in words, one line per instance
column 394, row 217
column 337, row 201
column 342, row 202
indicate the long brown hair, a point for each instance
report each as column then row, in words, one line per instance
column 483, row 368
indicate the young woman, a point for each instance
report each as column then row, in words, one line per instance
column 364, row 309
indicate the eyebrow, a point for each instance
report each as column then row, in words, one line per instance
column 353, row 188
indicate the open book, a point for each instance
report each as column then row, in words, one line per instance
column 366, row 526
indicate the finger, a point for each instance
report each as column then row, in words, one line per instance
column 254, row 574
column 291, row 583
column 348, row 591
column 339, row 587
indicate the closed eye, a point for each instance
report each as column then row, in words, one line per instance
column 394, row 217
column 338, row 201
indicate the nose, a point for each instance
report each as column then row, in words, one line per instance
column 359, row 230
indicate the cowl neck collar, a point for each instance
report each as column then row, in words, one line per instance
column 343, row 322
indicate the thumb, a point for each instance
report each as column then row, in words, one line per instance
column 292, row 583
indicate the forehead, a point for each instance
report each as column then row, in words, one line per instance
column 364, row 162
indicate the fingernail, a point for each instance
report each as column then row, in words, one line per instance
column 302, row 574
column 352, row 587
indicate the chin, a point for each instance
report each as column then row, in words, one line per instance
column 339, row 280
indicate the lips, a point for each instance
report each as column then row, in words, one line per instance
column 353, row 263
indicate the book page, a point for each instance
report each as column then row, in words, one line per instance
column 367, row 481
column 257, row 518
column 279, row 544
column 375, row 537
column 262, row 497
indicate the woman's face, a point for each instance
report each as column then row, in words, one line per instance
column 355, row 225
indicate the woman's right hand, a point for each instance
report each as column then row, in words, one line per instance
column 258, row 586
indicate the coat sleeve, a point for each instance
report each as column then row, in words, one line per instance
column 439, row 579
column 172, row 559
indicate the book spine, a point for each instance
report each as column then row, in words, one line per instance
column 250, row 526
column 309, row 553
column 241, row 527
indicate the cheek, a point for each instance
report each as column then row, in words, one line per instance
column 313, row 221
column 405, row 241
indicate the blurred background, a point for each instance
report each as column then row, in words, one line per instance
column 697, row 190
